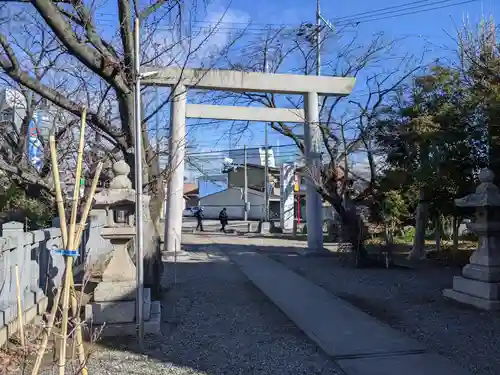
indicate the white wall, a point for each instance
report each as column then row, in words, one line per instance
column 231, row 200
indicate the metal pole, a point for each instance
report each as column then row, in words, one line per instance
column 318, row 38
column 139, row 251
column 266, row 177
column 266, row 162
column 157, row 125
column 245, row 191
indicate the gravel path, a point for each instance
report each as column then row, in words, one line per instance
column 222, row 325
column 411, row 301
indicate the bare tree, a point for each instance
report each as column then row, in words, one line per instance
column 81, row 58
column 96, row 69
column 346, row 124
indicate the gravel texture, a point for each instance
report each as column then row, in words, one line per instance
column 411, row 301
column 221, row 324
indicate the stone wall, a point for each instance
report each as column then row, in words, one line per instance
column 40, row 269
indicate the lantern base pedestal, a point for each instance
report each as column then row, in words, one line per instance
column 482, row 273
column 152, row 326
column 480, row 303
column 478, row 286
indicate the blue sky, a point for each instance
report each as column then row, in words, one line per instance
column 432, row 31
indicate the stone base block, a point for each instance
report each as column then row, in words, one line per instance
column 29, row 315
column 151, row 326
column 8, row 309
column 477, row 288
column 478, row 272
column 38, row 294
column 478, row 302
column 265, row 227
column 108, row 291
column 116, row 311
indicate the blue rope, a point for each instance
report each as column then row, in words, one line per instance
column 66, row 252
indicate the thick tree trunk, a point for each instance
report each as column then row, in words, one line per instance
column 388, row 234
column 418, row 250
column 152, row 255
column 455, row 224
column 353, row 224
column 437, row 234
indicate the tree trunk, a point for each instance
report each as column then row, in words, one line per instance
column 353, row 224
column 152, row 255
column 418, row 250
column 388, row 234
column 437, row 233
column 455, row 224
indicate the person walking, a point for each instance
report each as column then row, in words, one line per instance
column 199, row 218
column 223, row 219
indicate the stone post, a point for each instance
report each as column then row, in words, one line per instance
column 287, row 174
column 12, row 229
column 479, row 284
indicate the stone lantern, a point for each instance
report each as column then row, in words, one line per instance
column 479, row 284
column 114, row 298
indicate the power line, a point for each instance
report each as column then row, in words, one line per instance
column 407, row 13
column 240, row 149
column 384, row 9
column 218, row 157
column 356, row 18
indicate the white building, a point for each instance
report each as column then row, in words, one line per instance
column 256, row 156
column 232, row 200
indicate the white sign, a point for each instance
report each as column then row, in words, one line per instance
column 287, row 180
column 270, row 157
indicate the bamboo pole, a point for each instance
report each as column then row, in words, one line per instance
column 69, row 259
column 64, row 234
column 19, row 308
column 77, row 240
column 76, row 245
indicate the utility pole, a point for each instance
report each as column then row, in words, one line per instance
column 318, row 38
column 157, row 124
column 245, row 188
column 312, row 145
column 319, row 19
column 159, row 184
column 139, row 250
column 266, row 162
column 266, row 176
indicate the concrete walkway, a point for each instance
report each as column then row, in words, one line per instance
column 359, row 343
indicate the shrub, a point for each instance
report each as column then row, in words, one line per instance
column 16, row 205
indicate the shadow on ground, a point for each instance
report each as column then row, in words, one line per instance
column 216, row 322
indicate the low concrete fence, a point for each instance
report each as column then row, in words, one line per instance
column 40, row 268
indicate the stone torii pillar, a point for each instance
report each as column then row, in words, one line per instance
column 479, row 284
column 312, row 141
column 175, row 184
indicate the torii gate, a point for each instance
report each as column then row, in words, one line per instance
column 229, row 80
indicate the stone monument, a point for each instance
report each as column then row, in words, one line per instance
column 479, row 284
column 114, row 298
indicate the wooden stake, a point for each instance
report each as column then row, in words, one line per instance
column 88, row 205
column 69, row 259
column 64, row 234
column 19, row 308
column 76, row 245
